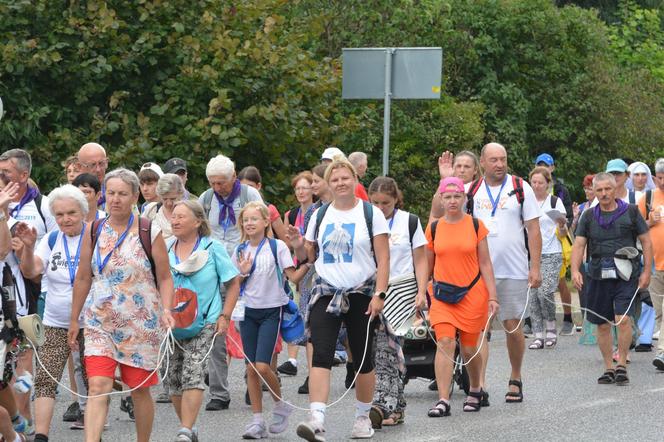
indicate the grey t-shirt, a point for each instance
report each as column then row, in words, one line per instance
column 604, row 242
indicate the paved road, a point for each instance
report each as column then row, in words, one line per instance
column 562, row 402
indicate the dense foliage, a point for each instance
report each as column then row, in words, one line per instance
column 260, row 81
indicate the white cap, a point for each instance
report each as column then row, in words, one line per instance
column 153, row 167
column 331, row 152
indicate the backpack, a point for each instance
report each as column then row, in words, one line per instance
column 209, row 194
column 476, row 226
column 144, row 236
column 368, row 218
column 412, row 226
column 650, row 199
column 631, row 197
column 189, row 318
column 292, row 215
column 52, row 238
column 273, row 248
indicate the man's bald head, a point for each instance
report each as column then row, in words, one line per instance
column 493, row 148
column 92, row 159
column 493, row 160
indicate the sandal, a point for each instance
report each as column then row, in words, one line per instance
column 621, row 375
column 609, row 377
column 485, row 398
column 537, row 344
column 376, row 417
column 396, row 418
column 550, row 342
column 514, row 396
column 473, row 406
column 441, row 409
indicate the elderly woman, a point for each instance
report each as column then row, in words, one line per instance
column 222, row 203
column 353, row 266
column 169, row 191
column 57, row 256
column 124, row 268
column 199, row 264
column 458, row 254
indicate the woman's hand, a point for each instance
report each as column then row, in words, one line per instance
column 7, row 195
column 421, row 301
column 72, row 335
column 294, row 237
column 494, row 308
column 167, row 319
column 244, row 262
column 445, row 164
column 222, row 325
column 575, row 209
column 26, row 234
column 375, row 307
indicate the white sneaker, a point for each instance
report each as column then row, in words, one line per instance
column 655, row 336
column 255, row 430
column 362, row 428
column 280, row 416
column 311, row 431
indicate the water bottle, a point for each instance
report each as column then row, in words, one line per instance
column 23, row 383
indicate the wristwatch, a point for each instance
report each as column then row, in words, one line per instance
column 381, row 295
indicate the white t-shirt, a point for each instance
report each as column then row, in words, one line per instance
column 58, row 300
column 29, row 215
column 21, row 299
column 230, row 238
column 401, row 251
column 344, row 258
column 507, row 246
column 262, row 289
column 550, row 242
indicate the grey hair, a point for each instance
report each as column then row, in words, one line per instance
column 659, row 166
column 199, row 213
column 220, row 165
column 67, row 191
column 168, row 183
column 127, row 176
column 604, row 176
column 357, row 158
column 22, row 157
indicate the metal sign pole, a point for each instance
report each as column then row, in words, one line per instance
column 386, row 112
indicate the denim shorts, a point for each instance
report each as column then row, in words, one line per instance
column 259, row 331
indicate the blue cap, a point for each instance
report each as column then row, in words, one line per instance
column 616, row 165
column 544, row 158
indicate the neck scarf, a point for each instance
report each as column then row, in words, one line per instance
column 226, row 212
column 30, row 195
column 606, row 223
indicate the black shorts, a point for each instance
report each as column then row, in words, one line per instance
column 609, row 297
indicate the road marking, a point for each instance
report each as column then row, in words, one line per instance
column 599, row 402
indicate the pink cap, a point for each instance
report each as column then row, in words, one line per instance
column 451, row 184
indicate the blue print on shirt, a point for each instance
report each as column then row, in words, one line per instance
column 338, row 243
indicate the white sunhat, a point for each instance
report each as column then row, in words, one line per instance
column 331, row 152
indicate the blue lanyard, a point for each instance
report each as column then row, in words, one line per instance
column 73, row 265
column 494, row 203
column 392, row 219
column 96, row 215
column 101, row 264
column 175, row 249
column 300, row 218
column 253, row 264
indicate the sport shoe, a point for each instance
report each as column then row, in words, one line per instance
column 186, row 435
column 567, row 329
column 280, row 416
column 72, row 412
column 30, row 430
column 658, row 362
column 163, row 398
column 655, row 336
column 311, row 431
column 362, row 428
column 304, row 388
column 79, row 422
column 527, row 331
column 255, row 430
column 287, row 368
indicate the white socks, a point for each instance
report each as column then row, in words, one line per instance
column 293, row 361
column 362, row 408
column 318, row 411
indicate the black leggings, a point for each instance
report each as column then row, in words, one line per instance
column 325, row 329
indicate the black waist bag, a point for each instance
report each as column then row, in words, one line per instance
column 450, row 293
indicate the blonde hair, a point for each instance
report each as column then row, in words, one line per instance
column 199, row 213
column 339, row 162
column 262, row 209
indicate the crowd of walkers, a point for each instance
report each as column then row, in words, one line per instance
column 139, row 282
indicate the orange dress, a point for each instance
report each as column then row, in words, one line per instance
column 456, row 262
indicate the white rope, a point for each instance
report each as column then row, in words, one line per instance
column 525, row 308
column 587, row 310
column 479, row 347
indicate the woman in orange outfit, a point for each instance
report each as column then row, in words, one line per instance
column 458, row 253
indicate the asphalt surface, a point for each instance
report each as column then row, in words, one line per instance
column 562, row 402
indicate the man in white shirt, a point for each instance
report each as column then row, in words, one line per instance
column 92, row 159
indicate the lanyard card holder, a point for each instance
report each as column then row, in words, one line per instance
column 608, row 267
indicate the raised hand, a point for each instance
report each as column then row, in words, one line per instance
column 294, row 237
column 26, row 234
column 445, row 164
column 244, row 262
column 7, row 194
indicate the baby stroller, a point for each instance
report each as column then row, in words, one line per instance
column 419, row 350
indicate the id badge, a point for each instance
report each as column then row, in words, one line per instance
column 238, row 311
column 492, row 225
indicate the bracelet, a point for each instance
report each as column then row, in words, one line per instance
column 494, row 300
column 244, row 275
column 226, row 317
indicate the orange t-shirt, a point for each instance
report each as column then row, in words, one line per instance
column 456, row 262
column 656, row 231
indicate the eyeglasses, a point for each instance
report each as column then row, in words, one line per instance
column 616, row 173
column 302, row 189
column 98, row 165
